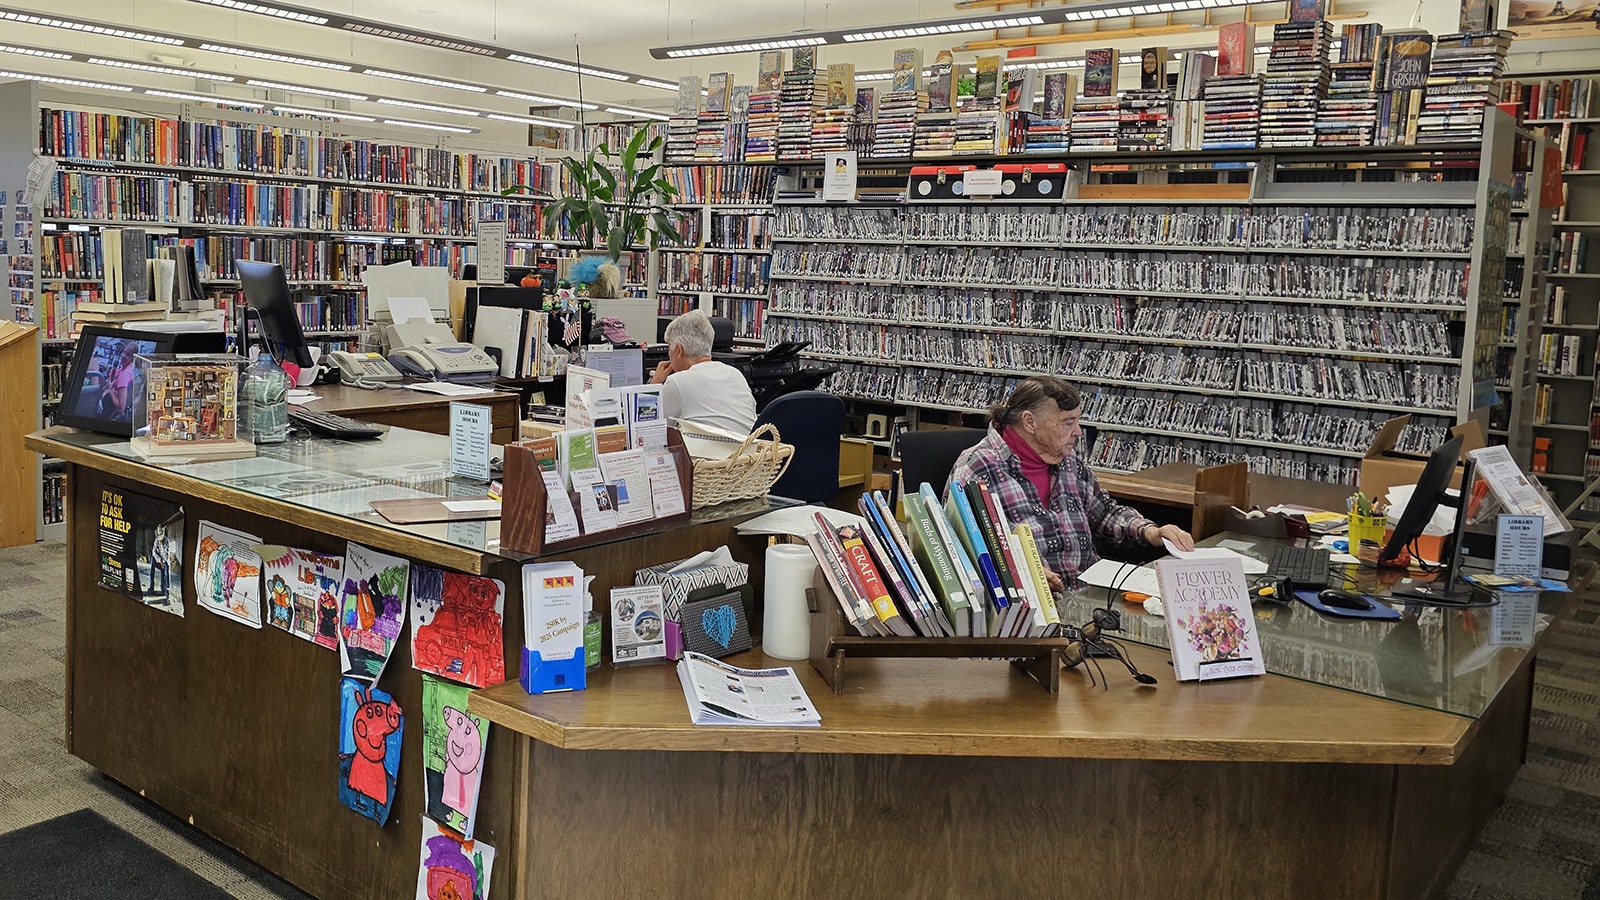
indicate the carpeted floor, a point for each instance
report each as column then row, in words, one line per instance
column 1542, row 844
column 81, row 856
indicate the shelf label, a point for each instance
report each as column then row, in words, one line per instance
column 982, row 183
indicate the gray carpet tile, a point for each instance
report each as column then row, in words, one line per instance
column 1543, row 843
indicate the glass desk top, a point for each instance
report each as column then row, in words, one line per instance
column 1451, row 660
column 342, row 477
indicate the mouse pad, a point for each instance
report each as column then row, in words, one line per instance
column 1379, row 612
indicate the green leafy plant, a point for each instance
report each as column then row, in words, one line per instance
column 615, row 201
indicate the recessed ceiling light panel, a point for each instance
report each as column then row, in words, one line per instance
column 30, row 51
column 275, row 57
column 418, row 79
column 451, row 110
column 301, row 89
column 292, row 15
column 69, row 82
column 413, row 37
column 27, row 18
column 164, row 70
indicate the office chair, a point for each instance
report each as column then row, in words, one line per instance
column 928, row 456
column 812, row 422
column 721, row 334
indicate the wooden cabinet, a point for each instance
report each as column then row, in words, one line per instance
column 19, row 415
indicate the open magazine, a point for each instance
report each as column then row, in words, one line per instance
column 720, row 694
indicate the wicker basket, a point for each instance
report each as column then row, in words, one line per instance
column 749, row 472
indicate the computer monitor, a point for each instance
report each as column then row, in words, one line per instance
column 1432, row 492
column 104, row 390
column 266, row 292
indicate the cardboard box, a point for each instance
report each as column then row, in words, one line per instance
column 1383, row 467
column 532, row 429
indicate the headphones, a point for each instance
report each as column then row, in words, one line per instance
column 1089, row 640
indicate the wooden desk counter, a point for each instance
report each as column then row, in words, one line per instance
column 417, row 410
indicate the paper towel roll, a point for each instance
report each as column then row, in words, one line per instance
column 786, row 622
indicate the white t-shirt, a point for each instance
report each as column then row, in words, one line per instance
column 710, row 393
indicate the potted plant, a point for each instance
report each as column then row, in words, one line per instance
column 614, row 202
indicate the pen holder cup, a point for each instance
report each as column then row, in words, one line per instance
column 1365, row 528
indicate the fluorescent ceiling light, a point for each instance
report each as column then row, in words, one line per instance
column 651, row 82
column 164, row 70
column 451, row 110
column 261, row 9
column 323, row 113
column 418, row 79
column 275, row 57
column 567, row 67
column 70, row 82
column 28, row 18
column 548, row 101
column 529, row 120
column 204, row 98
column 637, row 113
column 740, row 47
column 989, row 24
column 413, row 37
column 299, row 89
column 29, row 51
column 430, row 126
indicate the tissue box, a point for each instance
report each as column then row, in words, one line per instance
column 676, row 589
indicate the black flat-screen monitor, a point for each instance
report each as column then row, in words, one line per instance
column 266, row 292
column 104, row 390
column 1433, row 491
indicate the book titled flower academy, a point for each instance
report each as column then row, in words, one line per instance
column 1209, row 621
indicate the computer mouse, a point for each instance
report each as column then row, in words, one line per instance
column 1344, row 599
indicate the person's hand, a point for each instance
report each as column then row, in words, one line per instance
column 1181, row 539
column 663, row 369
column 1055, row 581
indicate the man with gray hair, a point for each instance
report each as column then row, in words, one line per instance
column 698, row 388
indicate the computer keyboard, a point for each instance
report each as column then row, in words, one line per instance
column 1305, row 567
column 330, row 425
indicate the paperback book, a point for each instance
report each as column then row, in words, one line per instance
column 1210, row 625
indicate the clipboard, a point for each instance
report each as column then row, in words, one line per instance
column 428, row 509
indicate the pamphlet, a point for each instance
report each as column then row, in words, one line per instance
column 1210, row 625
column 560, row 521
column 720, row 694
column 1514, row 490
column 666, row 489
column 647, row 426
column 625, row 474
column 595, row 499
column 638, row 629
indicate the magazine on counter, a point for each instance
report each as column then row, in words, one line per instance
column 720, row 694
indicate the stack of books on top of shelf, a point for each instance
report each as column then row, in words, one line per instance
column 1095, row 123
column 800, row 99
column 1232, row 112
column 864, row 132
column 830, row 130
column 1042, row 134
column 1296, row 81
column 682, row 132
column 977, row 127
column 1462, row 80
column 1348, row 116
column 761, row 128
column 936, row 134
column 896, row 129
column 711, row 138
column 1145, row 120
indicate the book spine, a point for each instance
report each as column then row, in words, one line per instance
column 983, row 512
column 1036, row 571
column 892, row 570
column 925, row 593
column 872, row 587
column 927, row 547
column 833, row 573
column 979, row 550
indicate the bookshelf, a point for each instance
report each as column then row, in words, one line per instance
column 725, row 216
column 1265, row 336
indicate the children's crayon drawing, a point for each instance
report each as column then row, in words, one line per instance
column 452, row 869
column 456, row 625
column 227, row 573
column 370, row 731
column 454, row 746
column 372, row 611
column 302, row 590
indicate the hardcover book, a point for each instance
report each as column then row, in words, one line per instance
column 739, row 104
column 1058, row 91
column 688, row 95
column 1100, row 72
column 717, row 96
column 988, row 83
column 805, row 59
column 941, row 82
column 769, row 72
column 841, row 85
column 1210, row 626
column 1153, row 69
column 1307, row 10
column 1479, row 15
column 1236, row 49
column 907, row 70
column 1407, row 62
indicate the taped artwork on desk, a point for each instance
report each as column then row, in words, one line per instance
column 227, row 573
column 457, row 625
column 370, row 731
column 302, row 590
column 452, row 869
column 454, row 746
column 372, row 610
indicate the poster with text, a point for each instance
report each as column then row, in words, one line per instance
column 227, row 573
column 371, row 610
column 456, row 624
column 302, row 589
column 141, row 548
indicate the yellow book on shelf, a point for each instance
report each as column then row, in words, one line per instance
column 1041, row 584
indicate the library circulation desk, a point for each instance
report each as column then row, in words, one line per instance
column 235, row 729
column 963, row 778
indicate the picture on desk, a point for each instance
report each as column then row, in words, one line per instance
column 371, row 610
column 227, row 573
column 370, row 730
column 456, row 625
column 302, row 592
column 452, row 869
column 141, row 549
column 454, row 746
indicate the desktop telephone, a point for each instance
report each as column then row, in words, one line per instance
column 429, row 349
column 355, row 367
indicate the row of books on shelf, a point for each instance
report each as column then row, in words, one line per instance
column 1559, row 308
column 747, row 314
column 77, row 255
column 332, row 312
column 278, row 150
column 956, row 569
column 1569, row 253
column 1561, row 354
column 745, row 274
column 1550, row 98
column 54, row 496
column 1128, row 452
column 722, row 184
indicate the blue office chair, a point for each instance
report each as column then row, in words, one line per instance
column 928, row 456
column 812, row 422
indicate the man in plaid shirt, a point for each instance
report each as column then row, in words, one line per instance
column 1028, row 460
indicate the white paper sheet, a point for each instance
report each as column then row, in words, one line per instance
column 1252, row 566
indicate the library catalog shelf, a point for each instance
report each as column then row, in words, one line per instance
column 1124, row 161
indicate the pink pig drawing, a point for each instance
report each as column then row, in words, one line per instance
column 463, row 752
